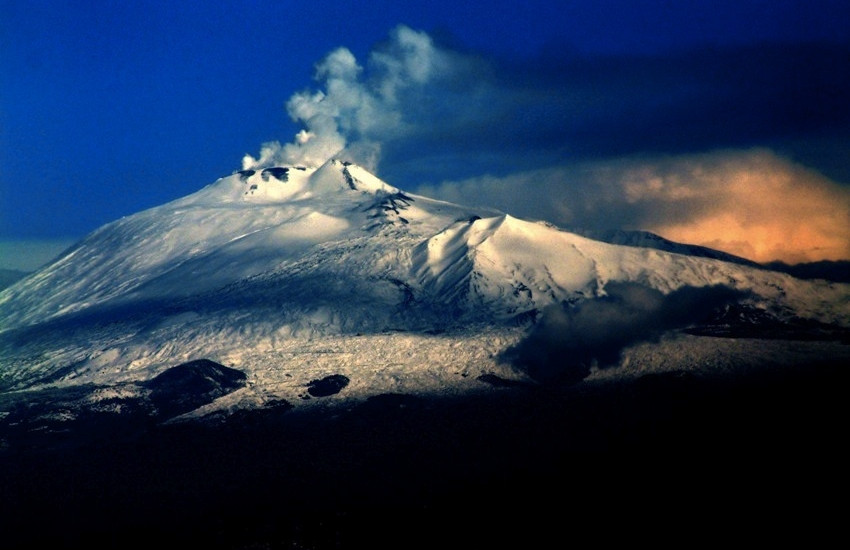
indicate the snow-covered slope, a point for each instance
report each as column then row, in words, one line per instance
column 645, row 239
column 292, row 273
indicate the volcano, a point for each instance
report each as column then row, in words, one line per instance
column 293, row 290
column 267, row 267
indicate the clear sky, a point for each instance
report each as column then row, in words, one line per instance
column 724, row 123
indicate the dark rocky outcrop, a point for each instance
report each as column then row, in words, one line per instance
column 279, row 172
column 187, row 386
column 245, row 174
column 329, row 385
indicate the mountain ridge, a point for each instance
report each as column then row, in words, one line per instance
column 261, row 264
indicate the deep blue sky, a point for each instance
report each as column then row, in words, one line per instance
column 107, row 108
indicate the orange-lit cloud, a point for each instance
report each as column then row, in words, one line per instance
column 751, row 203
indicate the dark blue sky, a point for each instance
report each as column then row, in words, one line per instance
column 107, row 108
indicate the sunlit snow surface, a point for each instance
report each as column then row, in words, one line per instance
column 292, row 274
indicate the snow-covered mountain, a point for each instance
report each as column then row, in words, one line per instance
column 294, row 275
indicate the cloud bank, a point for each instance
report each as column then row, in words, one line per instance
column 751, row 203
column 695, row 146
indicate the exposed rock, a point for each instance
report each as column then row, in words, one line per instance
column 187, row 386
column 329, row 385
column 245, row 174
column 279, row 172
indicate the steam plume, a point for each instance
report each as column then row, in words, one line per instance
column 512, row 135
column 356, row 107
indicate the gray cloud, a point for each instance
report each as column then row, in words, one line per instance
column 569, row 340
column 429, row 112
column 711, row 147
column 564, row 108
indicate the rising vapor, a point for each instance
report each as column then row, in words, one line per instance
column 357, row 107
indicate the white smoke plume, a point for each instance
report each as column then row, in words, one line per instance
column 356, row 106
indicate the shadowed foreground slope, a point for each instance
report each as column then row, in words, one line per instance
column 652, row 459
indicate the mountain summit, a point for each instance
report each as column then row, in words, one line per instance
column 293, row 274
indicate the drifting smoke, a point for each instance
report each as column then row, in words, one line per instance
column 430, row 112
column 569, row 341
column 355, row 111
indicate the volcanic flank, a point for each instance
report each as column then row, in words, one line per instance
column 326, row 349
column 292, row 273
